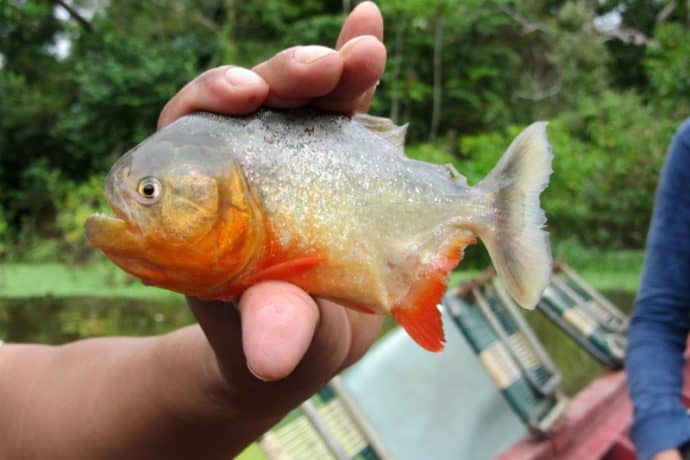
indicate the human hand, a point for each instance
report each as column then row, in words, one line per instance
column 281, row 334
column 343, row 79
column 668, row 454
column 190, row 393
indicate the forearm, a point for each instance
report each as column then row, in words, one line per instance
column 118, row 398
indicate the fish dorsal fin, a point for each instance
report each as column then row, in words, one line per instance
column 383, row 127
column 455, row 175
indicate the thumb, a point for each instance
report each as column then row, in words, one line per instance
column 269, row 337
column 278, row 325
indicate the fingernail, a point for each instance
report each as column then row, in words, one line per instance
column 352, row 43
column 238, row 76
column 255, row 374
column 311, row 53
column 367, row 3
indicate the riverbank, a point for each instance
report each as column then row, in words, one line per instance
column 56, row 279
column 605, row 270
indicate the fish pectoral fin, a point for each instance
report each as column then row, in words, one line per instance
column 288, row 270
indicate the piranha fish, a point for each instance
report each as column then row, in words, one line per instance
column 211, row 205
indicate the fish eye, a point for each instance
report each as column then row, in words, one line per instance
column 149, row 190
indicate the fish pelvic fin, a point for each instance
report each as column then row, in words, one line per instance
column 514, row 236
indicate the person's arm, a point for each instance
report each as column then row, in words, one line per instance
column 109, row 398
column 203, row 391
column 163, row 397
column 661, row 318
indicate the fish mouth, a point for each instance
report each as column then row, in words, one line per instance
column 123, row 245
column 110, row 233
column 113, row 233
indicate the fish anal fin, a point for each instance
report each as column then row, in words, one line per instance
column 288, row 270
column 419, row 314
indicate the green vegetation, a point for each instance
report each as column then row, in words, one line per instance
column 57, row 320
column 613, row 93
column 577, row 367
column 253, row 452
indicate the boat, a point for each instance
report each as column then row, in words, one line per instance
column 494, row 393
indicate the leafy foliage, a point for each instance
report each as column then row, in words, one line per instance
column 606, row 162
column 65, row 117
column 668, row 68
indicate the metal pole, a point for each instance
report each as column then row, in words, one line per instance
column 359, row 419
column 313, row 416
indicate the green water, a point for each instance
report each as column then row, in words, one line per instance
column 59, row 320
column 576, row 365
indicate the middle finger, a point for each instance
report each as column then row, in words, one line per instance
column 298, row 75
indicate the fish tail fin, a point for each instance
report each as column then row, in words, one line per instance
column 514, row 235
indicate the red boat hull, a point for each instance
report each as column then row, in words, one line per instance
column 594, row 426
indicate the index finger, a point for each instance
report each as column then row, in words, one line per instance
column 278, row 324
column 227, row 89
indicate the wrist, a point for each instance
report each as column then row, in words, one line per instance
column 668, row 454
column 198, row 392
column 194, row 385
column 193, row 388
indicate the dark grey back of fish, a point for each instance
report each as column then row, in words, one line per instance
column 330, row 141
column 328, row 168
